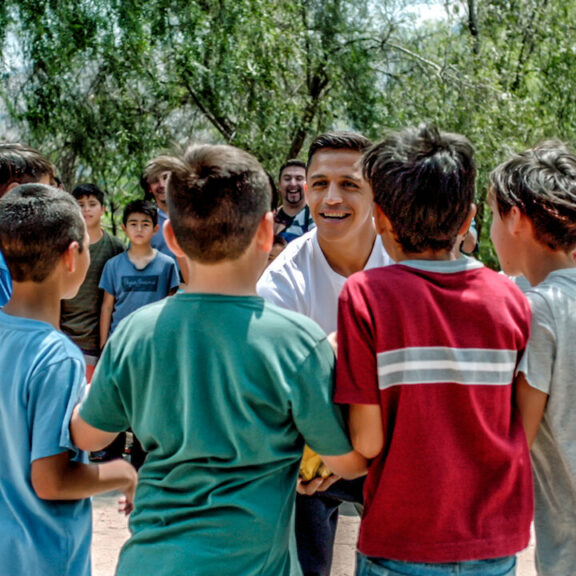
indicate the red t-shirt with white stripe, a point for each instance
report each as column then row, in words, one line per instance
column 436, row 344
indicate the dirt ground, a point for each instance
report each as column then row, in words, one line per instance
column 111, row 531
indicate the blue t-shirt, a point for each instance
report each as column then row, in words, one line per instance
column 133, row 288
column 5, row 282
column 42, row 380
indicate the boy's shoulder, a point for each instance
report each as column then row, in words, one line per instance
column 113, row 241
column 38, row 338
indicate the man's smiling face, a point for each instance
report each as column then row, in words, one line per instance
column 340, row 199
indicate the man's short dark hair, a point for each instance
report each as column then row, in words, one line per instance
column 293, row 162
column 423, row 180
column 87, row 190
column 140, row 207
column 37, row 224
column 22, row 164
column 541, row 182
column 217, row 196
column 338, row 140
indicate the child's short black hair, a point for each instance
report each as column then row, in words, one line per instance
column 423, row 180
column 37, row 224
column 140, row 207
column 541, row 182
column 86, row 190
column 22, row 164
column 217, row 196
column 338, row 140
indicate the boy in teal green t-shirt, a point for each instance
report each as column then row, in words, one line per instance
column 222, row 388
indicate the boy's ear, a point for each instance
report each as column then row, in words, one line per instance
column 69, row 256
column 468, row 221
column 265, row 233
column 171, row 240
column 381, row 221
column 156, row 228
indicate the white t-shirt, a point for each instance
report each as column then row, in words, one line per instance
column 300, row 279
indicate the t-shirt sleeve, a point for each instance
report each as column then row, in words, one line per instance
column 53, row 393
column 356, row 374
column 537, row 362
column 317, row 418
column 107, row 278
column 174, row 276
column 103, row 407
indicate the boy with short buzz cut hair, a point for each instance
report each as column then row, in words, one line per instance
column 80, row 316
column 44, row 487
column 228, row 371
column 140, row 275
column 533, row 201
column 428, row 349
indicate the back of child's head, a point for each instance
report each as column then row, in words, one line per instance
column 423, row 180
column 37, row 225
column 21, row 164
column 541, row 182
column 140, row 207
column 88, row 191
column 217, row 196
column 338, row 140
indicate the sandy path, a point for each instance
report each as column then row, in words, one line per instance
column 111, row 531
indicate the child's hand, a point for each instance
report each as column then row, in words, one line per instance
column 333, row 340
column 317, row 484
column 125, row 505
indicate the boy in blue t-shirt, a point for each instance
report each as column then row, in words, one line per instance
column 222, row 388
column 45, row 514
column 139, row 276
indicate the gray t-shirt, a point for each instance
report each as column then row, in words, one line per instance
column 550, row 366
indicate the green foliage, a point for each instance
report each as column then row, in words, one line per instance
column 102, row 86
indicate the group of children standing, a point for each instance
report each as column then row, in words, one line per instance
column 447, row 371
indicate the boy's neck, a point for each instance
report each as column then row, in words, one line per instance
column 95, row 234
column 230, row 278
column 141, row 251
column 541, row 261
column 36, row 301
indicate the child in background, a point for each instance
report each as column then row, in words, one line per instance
column 221, row 387
column 139, row 276
column 533, row 201
column 428, row 349
column 45, row 513
column 80, row 316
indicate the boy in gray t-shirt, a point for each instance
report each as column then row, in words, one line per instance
column 533, row 200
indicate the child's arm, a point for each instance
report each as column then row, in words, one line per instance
column 348, row 466
column 57, row 478
column 106, row 317
column 87, row 437
column 531, row 403
column 366, row 432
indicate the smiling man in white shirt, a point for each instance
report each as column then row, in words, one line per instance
column 307, row 277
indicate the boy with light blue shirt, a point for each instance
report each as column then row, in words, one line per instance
column 139, row 276
column 45, row 513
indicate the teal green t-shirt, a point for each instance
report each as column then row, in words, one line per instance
column 222, row 391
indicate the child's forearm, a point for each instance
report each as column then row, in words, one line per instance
column 106, row 318
column 531, row 404
column 57, row 478
column 348, row 466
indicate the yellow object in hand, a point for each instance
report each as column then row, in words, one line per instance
column 312, row 466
